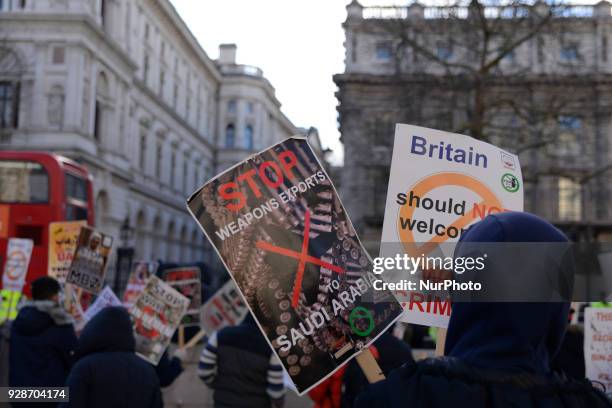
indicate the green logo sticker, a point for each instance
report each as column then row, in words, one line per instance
column 358, row 313
column 510, row 183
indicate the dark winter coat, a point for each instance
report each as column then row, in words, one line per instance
column 42, row 344
column 108, row 374
column 498, row 353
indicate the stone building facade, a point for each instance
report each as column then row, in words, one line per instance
column 125, row 88
column 554, row 90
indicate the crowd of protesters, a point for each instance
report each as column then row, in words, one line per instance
column 496, row 354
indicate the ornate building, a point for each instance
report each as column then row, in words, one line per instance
column 530, row 78
column 124, row 87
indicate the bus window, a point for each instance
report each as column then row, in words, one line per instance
column 76, row 187
column 23, row 182
column 75, row 212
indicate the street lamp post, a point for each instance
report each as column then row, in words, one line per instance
column 125, row 254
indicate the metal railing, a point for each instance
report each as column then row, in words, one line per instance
column 462, row 12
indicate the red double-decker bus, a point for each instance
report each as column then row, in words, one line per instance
column 37, row 188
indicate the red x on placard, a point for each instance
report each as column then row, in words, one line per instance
column 302, row 257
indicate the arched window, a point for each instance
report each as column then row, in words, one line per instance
column 248, row 137
column 230, row 135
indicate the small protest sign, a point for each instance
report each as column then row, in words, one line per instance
column 89, row 263
column 440, row 184
column 8, row 304
column 18, row 253
column 281, row 231
column 156, row 314
column 225, row 308
column 104, row 299
column 598, row 345
column 63, row 238
column 137, row 281
column 186, row 280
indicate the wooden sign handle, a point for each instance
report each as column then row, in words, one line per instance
column 181, row 336
column 440, row 342
column 370, row 366
column 194, row 340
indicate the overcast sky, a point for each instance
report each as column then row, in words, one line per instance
column 297, row 43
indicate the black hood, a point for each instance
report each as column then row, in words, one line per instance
column 30, row 321
column 109, row 330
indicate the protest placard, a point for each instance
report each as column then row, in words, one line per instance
column 281, row 231
column 156, row 314
column 225, row 308
column 104, row 299
column 598, row 345
column 187, row 281
column 18, row 253
column 62, row 245
column 9, row 299
column 137, row 281
column 441, row 183
column 89, row 263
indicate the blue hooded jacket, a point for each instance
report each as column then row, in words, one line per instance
column 108, row 373
column 498, row 354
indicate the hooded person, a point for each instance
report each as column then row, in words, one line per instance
column 108, row 374
column 497, row 354
column 42, row 340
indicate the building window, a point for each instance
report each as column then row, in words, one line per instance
column 9, row 104
column 540, row 49
column 58, row 55
column 569, row 52
column 510, row 57
column 604, row 48
column 250, row 107
column 55, row 106
column 163, row 49
column 185, row 175
column 104, row 13
column 158, row 160
column 384, row 50
column 570, row 199
column 175, row 95
column 172, row 166
column 567, row 139
column 143, row 151
column 568, row 122
column 146, row 32
column 230, row 135
column 162, row 82
column 97, row 131
column 248, row 137
column 231, row 106
column 444, row 51
column 145, row 69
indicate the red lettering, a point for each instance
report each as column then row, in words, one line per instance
column 442, row 307
column 227, row 192
column 288, row 161
column 416, row 299
column 264, row 176
column 248, row 176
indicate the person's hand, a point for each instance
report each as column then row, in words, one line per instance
column 181, row 354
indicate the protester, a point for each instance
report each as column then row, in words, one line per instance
column 238, row 364
column 42, row 340
column 108, row 374
column 498, row 353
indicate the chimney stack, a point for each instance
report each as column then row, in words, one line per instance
column 227, row 54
